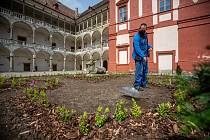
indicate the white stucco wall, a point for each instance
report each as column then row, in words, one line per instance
column 165, row 39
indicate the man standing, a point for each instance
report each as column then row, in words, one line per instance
column 140, row 55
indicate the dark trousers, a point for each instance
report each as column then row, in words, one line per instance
column 141, row 73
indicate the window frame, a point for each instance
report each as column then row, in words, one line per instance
column 124, row 13
column 165, row 6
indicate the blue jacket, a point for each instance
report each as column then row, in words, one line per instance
column 140, row 46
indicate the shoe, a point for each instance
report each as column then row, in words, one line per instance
column 141, row 89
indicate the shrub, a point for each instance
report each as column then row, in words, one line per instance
column 121, row 113
column 164, row 109
column 101, row 118
column 135, row 109
column 178, row 70
column 65, row 114
column 194, row 112
column 84, row 127
column 2, row 80
column 202, row 76
column 185, row 107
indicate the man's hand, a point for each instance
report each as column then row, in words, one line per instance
column 145, row 59
column 150, row 49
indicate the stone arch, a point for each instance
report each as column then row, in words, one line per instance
column 23, row 58
column 86, row 59
column 4, row 59
column 79, row 42
column 79, row 62
column 57, row 40
column 97, row 59
column 22, row 32
column 4, row 28
column 42, row 36
column 96, row 38
column 70, row 43
column 70, row 62
column 105, row 37
column 57, row 63
column 42, row 61
column 105, row 59
column 87, row 40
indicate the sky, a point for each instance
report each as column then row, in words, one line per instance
column 82, row 5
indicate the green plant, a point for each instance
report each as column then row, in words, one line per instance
column 194, row 111
column 35, row 95
column 2, row 80
column 43, row 98
column 84, row 126
column 178, row 70
column 55, row 82
column 135, row 109
column 28, row 91
column 101, row 117
column 14, row 82
column 184, row 107
column 202, row 76
column 164, row 109
column 65, row 114
column 121, row 113
column 180, row 95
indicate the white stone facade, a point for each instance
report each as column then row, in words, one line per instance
column 28, row 44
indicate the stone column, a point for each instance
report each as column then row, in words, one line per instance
column 75, row 44
column 51, row 58
column 82, row 64
column 64, row 42
column 33, row 36
column 50, row 39
column 75, row 63
column 64, row 63
column 101, row 62
column 11, row 32
column 11, row 61
column 91, row 41
column 91, row 24
column 82, row 43
column 101, row 40
column 96, row 20
column 107, row 16
column 101, row 18
column 33, row 64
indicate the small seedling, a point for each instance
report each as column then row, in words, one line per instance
column 84, row 127
column 164, row 109
column 101, row 118
column 65, row 114
column 121, row 113
column 135, row 109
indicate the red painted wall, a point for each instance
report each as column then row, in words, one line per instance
column 193, row 33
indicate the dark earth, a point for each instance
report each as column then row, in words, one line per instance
column 22, row 119
column 87, row 96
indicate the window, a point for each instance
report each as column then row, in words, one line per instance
column 122, row 12
column 123, row 56
column 165, row 5
column 53, row 44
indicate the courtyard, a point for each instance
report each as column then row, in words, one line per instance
column 78, row 92
column 25, row 115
